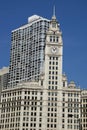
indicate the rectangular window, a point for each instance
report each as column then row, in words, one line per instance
column 50, row 38
column 41, row 82
column 57, row 39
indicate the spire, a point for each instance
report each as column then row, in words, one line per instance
column 54, row 16
column 54, row 11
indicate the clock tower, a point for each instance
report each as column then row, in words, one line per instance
column 53, row 56
column 53, row 74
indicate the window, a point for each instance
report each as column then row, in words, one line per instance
column 54, row 125
column 63, row 84
column 40, row 108
column 63, row 104
column 62, row 125
column 63, row 110
column 40, row 119
column 63, row 99
column 63, row 121
column 23, row 124
column 50, row 38
column 40, row 114
column 63, row 94
column 41, row 93
column 39, row 125
column 63, row 115
column 54, row 38
column 41, row 82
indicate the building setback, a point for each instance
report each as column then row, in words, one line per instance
column 38, row 96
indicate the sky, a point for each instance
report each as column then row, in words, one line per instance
column 72, row 16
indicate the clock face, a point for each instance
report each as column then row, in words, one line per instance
column 54, row 50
